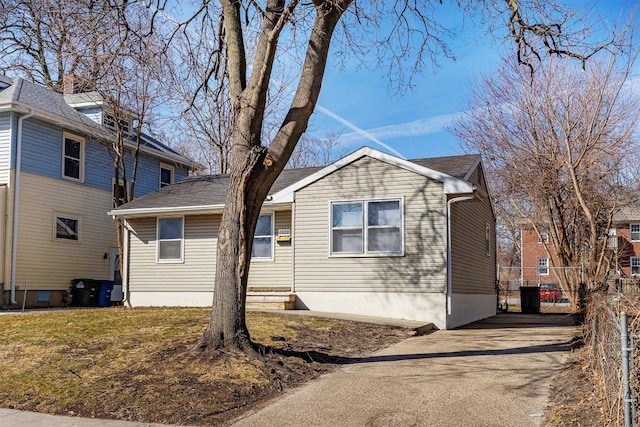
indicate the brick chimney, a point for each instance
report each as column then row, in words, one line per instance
column 76, row 84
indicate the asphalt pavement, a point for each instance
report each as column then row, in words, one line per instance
column 495, row 372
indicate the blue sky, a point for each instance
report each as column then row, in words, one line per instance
column 413, row 125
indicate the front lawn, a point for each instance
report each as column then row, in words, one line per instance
column 138, row 364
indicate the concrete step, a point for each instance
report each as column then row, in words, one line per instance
column 260, row 289
column 270, row 300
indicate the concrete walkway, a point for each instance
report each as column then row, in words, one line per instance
column 493, row 373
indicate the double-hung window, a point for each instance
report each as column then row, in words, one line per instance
column 543, row 237
column 263, row 238
column 367, row 227
column 634, row 231
column 72, row 157
column 635, row 265
column 170, row 239
column 543, row 266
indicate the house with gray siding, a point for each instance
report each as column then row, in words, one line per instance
column 56, row 188
column 370, row 234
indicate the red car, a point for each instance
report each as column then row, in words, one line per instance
column 550, row 292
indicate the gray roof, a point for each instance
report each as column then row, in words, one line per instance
column 207, row 190
column 55, row 107
column 45, row 100
column 456, row 166
column 211, row 190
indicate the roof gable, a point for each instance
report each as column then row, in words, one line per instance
column 452, row 184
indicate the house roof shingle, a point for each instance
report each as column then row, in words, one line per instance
column 53, row 105
column 211, row 190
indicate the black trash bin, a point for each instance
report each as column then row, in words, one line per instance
column 530, row 299
column 84, row 292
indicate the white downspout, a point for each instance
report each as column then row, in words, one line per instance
column 16, row 203
column 125, row 263
column 449, row 287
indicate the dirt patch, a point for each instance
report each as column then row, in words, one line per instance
column 138, row 365
column 573, row 401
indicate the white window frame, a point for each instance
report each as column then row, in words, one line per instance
column 270, row 236
column 159, row 242
column 75, row 218
column 80, row 140
column 365, row 228
column 612, row 239
column 487, row 239
column 543, row 267
column 637, row 232
column 634, row 260
column 173, row 175
column 543, row 237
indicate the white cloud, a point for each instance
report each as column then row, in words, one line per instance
column 419, row 127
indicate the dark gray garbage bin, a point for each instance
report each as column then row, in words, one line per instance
column 84, row 292
column 530, row 299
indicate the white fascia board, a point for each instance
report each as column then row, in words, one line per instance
column 165, row 211
column 452, row 185
column 458, row 187
column 185, row 210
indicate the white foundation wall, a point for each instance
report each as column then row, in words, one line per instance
column 468, row 308
column 170, row 299
column 428, row 307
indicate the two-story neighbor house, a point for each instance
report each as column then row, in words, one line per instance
column 56, row 187
column 370, row 234
column 540, row 264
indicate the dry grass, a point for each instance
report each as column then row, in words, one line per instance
column 136, row 364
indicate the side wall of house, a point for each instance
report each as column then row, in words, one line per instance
column 6, row 133
column 45, row 263
column 473, row 257
column 190, row 282
column 411, row 286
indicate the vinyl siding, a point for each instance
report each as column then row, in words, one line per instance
column 472, row 271
column 94, row 113
column 5, row 144
column 278, row 271
column 197, row 271
column 423, row 266
column 48, row 264
column 42, row 155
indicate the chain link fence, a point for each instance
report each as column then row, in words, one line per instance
column 610, row 343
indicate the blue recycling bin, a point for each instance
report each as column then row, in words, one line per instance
column 103, row 296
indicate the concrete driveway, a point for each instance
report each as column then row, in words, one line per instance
column 495, row 372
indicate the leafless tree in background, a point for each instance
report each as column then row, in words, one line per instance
column 314, row 151
column 559, row 145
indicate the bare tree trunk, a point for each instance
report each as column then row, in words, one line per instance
column 227, row 326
